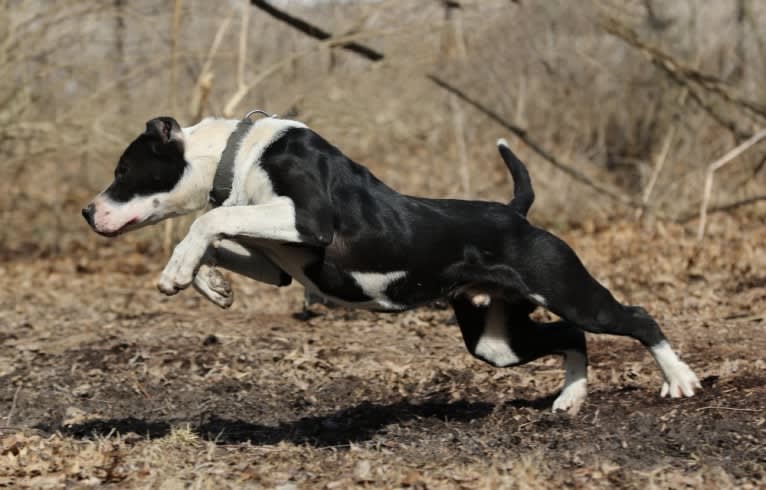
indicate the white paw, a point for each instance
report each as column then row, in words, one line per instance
column 481, row 299
column 180, row 269
column 680, row 381
column 212, row 285
column 572, row 397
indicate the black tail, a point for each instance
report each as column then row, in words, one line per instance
column 523, row 195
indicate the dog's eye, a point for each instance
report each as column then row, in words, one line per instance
column 120, row 172
column 166, row 129
column 159, row 149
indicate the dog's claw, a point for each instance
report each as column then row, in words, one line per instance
column 571, row 398
column 212, row 285
column 682, row 382
column 167, row 290
column 170, row 286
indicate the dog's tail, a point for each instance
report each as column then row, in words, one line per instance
column 523, row 195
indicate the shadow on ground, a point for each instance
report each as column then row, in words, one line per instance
column 355, row 424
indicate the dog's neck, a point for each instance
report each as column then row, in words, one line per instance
column 203, row 145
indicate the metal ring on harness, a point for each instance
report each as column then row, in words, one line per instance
column 258, row 111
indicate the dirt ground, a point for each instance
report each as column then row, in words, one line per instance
column 105, row 381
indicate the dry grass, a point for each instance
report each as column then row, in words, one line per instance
column 115, row 383
column 52, row 461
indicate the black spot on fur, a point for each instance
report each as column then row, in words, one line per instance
column 151, row 164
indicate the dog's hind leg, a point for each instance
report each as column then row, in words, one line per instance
column 558, row 281
column 504, row 335
column 273, row 222
column 211, row 284
column 246, row 261
column 249, row 262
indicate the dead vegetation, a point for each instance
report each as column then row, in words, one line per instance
column 636, row 105
column 106, row 381
column 620, row 110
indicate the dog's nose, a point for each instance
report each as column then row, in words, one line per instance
column 87, row 213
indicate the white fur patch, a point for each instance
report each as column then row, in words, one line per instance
column 205, row 141
column 273, row 220
column 251, row 183
column 110, row 216
column 538, row 299
column 494, row 345
column 680, row 380
column 481, row 299
column 575, row 383
column 270, row 222
column 502, row 142
column 374, row 285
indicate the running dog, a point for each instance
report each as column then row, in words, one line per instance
column 287, row 204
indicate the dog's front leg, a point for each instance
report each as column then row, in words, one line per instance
column 272, row 221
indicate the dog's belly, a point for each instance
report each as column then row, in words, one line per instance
column 393, row 290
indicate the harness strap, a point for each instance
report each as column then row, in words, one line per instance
column 224, row 175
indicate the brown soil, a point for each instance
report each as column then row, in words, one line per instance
column 104, row 380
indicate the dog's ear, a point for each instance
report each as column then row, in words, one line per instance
column 166, row 128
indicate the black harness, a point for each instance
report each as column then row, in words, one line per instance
column 224, row 175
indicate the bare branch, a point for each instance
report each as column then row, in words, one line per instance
column 713, row 167
column 522, row 135
column 373, row 55
column 205, row 79
column 688, row 77
column 243, row 31
column 315, row 31
column 663, row 155
column 9, row 417
column 729, row 206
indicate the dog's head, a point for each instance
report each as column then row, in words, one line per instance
column 149, row 182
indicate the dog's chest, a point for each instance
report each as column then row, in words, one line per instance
column 251, row 183
column 256, row 187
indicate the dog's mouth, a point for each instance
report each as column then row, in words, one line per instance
column 118, row 231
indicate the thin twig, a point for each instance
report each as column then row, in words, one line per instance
column 688, row 77
column 714, row 407
column 243, row 31
column 522, row 135
column 746, row 318
column 662, row 157
column 455, row 48
column 13, row 406
column 728, row 157
column 723, row 207
column 373, row 55
column 176, row 30
column 340, row 41
column 669, row 64
column 205, row 78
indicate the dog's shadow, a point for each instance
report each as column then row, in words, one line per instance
column 356, row 424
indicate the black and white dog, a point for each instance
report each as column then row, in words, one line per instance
column 288, row 204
